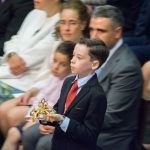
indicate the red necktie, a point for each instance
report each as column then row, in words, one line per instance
column 71, row 95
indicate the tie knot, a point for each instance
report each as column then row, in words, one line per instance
column 75, row 85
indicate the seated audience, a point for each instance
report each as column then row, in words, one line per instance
column 77, row 16
column 74, row 19
column 12, row 14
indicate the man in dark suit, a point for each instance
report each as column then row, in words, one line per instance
column 12, row 13
column 80, row 121
column 130, row 10
column 142, row 33
column 121, row 79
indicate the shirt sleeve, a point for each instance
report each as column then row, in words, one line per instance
column 64, row 125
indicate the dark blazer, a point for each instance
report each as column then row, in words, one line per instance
column 12, row 14
column 130, row 10
column 86, row 115
column 143, row 21
column 122, row 82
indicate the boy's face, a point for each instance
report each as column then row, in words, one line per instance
column 61, row 65
column 81, row 63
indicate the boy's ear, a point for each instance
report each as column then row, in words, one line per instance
column 95, row 64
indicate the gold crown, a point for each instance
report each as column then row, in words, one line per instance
column 41, row 112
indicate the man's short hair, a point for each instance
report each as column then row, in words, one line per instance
column 112, row 12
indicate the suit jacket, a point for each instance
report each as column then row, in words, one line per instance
column 86, row 115
column 12, row 14
column 122, row 82
column 143, row 21
column 130, row 10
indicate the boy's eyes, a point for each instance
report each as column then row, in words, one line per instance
column 79, row 57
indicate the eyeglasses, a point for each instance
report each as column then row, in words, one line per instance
column 69, row 23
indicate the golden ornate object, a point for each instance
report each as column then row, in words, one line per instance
column 42, row 111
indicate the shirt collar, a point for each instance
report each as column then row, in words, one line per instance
column 111, row 52
column 84, row 80
column 114, row 49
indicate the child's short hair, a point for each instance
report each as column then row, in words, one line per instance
column 97, row 49
column 66, row 48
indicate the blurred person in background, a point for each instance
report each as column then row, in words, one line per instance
column 12, row 14
column 26, row 52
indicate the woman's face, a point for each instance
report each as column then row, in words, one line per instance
column 70, row 26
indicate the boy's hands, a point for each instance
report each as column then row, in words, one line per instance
column 46, row 129
column 49, row 129
column 55, row 117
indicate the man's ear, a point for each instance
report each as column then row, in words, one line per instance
column 118, row 31
column 95, row 64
